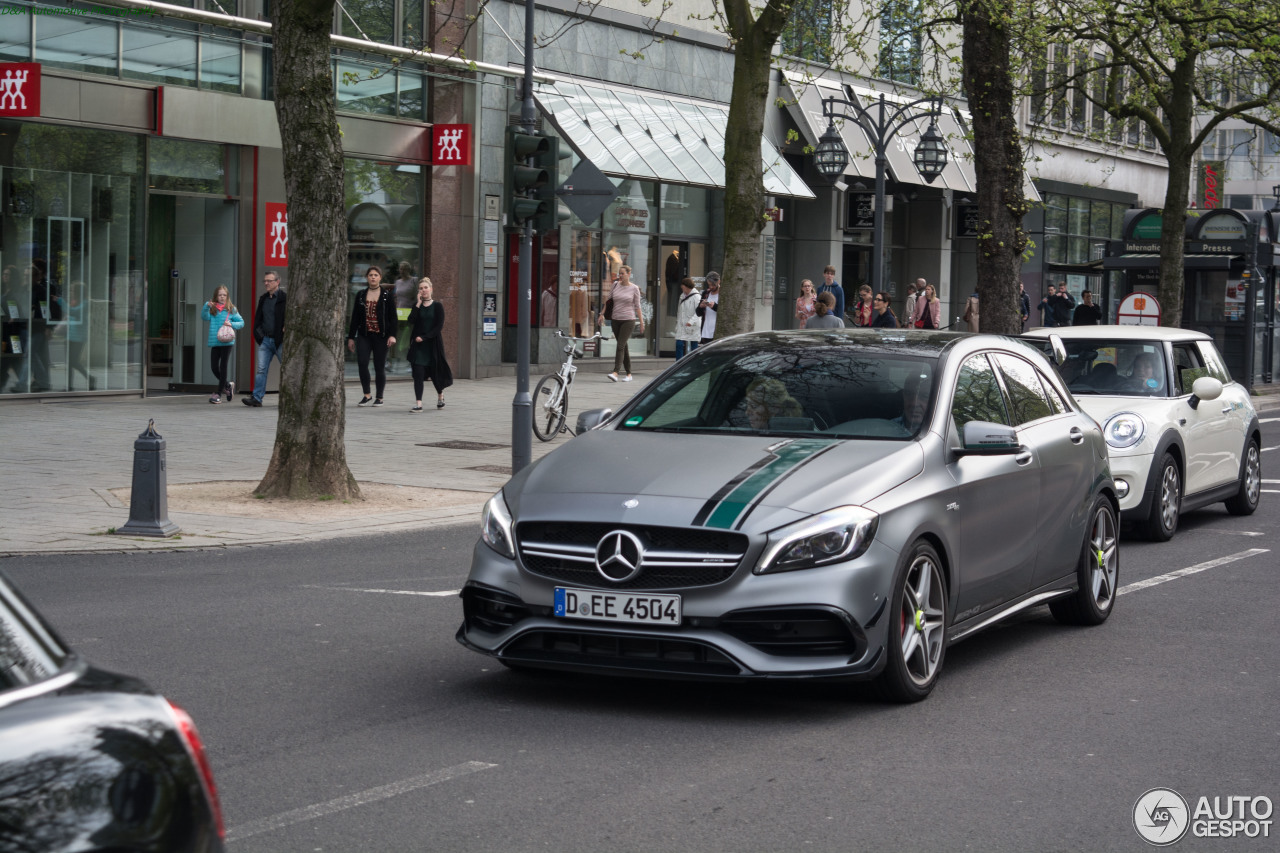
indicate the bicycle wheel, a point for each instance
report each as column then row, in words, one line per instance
column 550, row 406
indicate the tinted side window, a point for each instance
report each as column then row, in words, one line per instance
column 1026, row 395
column 1213, row 362
column 978, row 396
column 1056, row 402
column 1188, row 366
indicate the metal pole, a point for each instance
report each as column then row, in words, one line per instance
column 877, row 250
column 522, row 405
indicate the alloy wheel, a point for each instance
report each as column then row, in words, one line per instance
column 1169, row 497
column 921, row 618
column 1252, row 474
column 1106, row 558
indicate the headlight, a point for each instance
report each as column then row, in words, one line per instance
column 495, row 527
column 1124, row 430
column 837, row 534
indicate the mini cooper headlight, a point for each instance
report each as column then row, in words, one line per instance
column 1124, row 430
column 495, row 527
column 837, row 534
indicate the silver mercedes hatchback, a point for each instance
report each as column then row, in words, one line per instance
column 810, row 504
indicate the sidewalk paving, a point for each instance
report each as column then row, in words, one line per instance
column 61, row 461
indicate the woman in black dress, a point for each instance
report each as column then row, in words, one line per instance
column 373, row 332
column 426, row 347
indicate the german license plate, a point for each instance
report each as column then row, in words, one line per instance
column 645, row 608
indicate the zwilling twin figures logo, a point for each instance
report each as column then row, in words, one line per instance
column 19, row 89
column 1162, row 817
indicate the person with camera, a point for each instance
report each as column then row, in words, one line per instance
column 709, row 307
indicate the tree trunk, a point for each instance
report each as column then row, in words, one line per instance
column 753, row 41
column 997, row 146
column 309, row 459
column 1172, row 236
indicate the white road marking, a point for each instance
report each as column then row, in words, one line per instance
column 441, row 594
column 1189, row 570
column 1269, row 421
column 1265, row 449
column 363, row 798
column 1272, row 482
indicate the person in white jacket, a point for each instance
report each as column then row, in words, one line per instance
column 688, row 323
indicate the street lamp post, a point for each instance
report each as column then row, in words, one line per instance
column 1275, row 191
column 831, row 157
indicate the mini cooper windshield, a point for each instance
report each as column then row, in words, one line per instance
column 1121, row 368
column 800, row 389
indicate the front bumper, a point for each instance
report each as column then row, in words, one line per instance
column 1134, row 470
column 825, row 623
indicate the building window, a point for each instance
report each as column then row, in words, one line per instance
column 809, row 33
column 900, row 45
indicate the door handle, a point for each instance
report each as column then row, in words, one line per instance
column 1023, row 458
column 1226, row 410
column 1076, row 434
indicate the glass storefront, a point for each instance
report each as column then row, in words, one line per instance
column 71, row 250
column 384, row 229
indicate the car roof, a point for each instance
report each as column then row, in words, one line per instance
column 927, row 344
column 1131, row 333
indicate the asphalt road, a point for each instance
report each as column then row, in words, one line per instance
column 342, row 716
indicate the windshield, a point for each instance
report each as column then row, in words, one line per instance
column 840, row 391
column 1115, row 367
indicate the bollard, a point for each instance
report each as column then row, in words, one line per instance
column 149, row 498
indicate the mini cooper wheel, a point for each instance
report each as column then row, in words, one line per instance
column 1245, row 501
column 917, row 638
column 1162, row 523
column 1097, row 573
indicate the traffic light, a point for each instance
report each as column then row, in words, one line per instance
column 551, row 213
column 523, row 179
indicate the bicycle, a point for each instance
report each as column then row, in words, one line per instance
column 551, row 396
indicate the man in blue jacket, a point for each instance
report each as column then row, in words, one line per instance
column 830, row 285
column 268, row 331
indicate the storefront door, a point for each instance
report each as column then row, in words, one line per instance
column 191, row 251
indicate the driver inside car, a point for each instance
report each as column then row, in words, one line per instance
column 1145, row 376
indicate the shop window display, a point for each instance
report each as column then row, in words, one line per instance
column 70, row 236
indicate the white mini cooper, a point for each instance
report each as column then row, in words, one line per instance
column 1180, row 432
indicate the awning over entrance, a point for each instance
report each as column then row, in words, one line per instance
column 641, row 134
column 1152, row 261
column 805, row 106
column 958, row 175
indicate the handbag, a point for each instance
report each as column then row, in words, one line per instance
column 608, row 309
column 920, row 323
column 226, row 332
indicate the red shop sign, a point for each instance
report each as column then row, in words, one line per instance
column 277, row 234
column 19, row 89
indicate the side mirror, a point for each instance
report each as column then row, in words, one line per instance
column 1059, row 350
column 982, row 438
column 592, row 418
column 1205, row 388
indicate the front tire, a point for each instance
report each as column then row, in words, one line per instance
column 1097, row 572
column 1245, row 501
column 549, row 420
column 917, row 639
column 1162, row 523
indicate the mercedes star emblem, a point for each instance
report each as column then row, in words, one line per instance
column 618, row 556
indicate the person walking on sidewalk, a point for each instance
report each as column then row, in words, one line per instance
column 830, row 285
column 220, row 311
column 426, row 347
column 627, row 317
column 268, row 332
column 688, row 323
column 372, row 332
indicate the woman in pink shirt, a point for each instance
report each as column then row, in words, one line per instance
column 805, row 304
column 627, row 318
